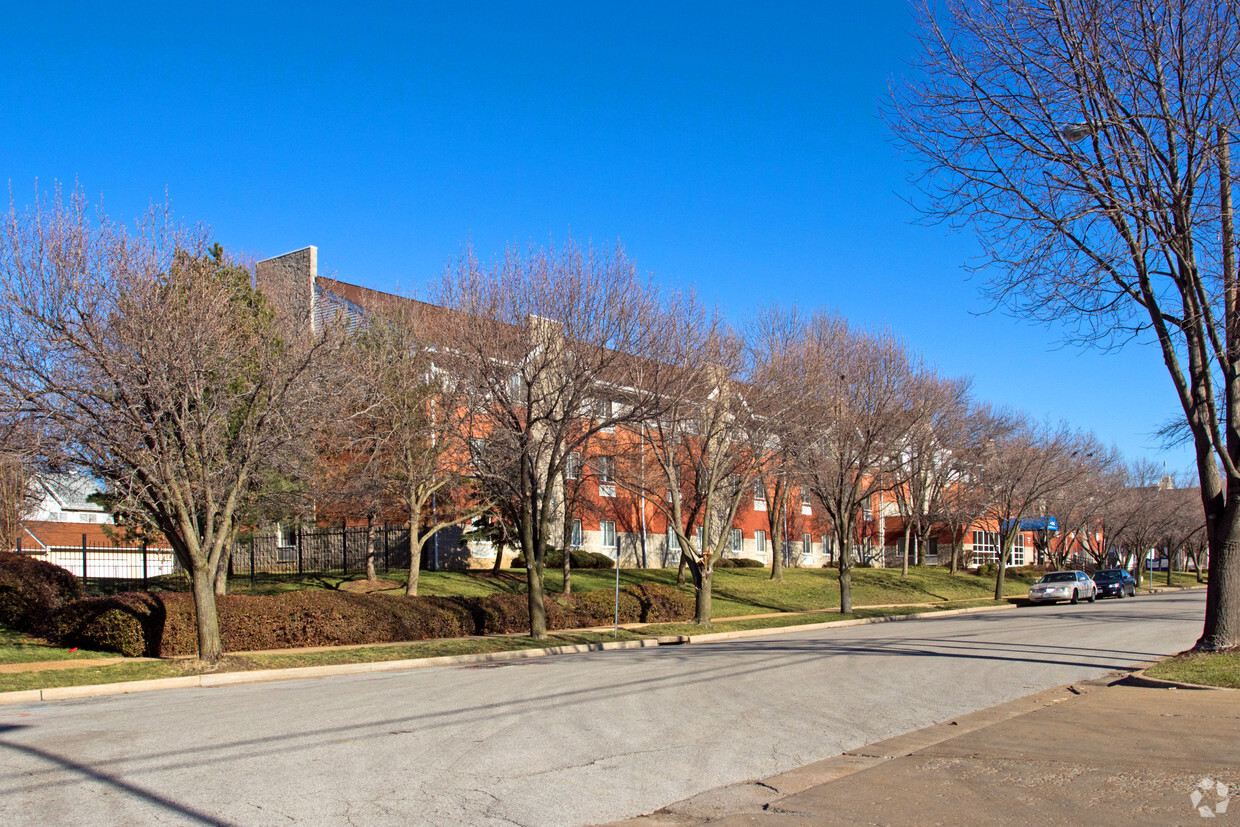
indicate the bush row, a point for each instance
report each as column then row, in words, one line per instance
column 739, row 563
column 162, row 624
column 578, row 559
column 32, row 591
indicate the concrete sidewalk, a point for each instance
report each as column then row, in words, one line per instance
column 1113, row 751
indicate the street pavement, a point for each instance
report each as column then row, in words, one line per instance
column 577, row 739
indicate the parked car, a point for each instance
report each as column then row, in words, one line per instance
column 1063, row 585
column 1115, row 583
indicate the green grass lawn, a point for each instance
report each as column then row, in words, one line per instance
column 735, row 592
column 1207, row 669
column 1184, row 579
column 16, row 647
column 242, row 662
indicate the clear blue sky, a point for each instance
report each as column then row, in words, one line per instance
column 736, row 148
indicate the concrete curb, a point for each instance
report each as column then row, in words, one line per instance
column 209, row 680
column 1139, row 678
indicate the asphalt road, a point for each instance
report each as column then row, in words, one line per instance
column 568, row 740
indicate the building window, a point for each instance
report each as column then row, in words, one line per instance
column 1017, row 557
column 828, row 548
column 866, row 512
column 605, row 468
column 608, row 528
column 572, row 466
column 807, row 545
column 477, row 453
column 673, row 541
column 516, row 389
column 759, row 495
column 576, row 541
column 701, row 539
column 985, row 547
column 605, row 411
column 759, row 542
column 806, row 505
column 738, row 541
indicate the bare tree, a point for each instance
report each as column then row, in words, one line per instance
column 1022, row 470
column 1085, row 509
column 17, row 451
column 550, row 347
column 701, row 457
column 155, row 365
column 403, row 433
column 926, row 470
column 1089, row 146
column 854, row 385
column 965, row 497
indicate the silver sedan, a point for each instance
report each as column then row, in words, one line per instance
column 1064, row 585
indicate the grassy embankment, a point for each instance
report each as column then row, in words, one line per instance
column 1207, row 669
column 805, row 596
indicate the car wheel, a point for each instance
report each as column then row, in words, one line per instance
column 1093, row 595
column 1122, row 593
column 1075, row 597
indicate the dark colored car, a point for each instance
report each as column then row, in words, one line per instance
column 1115, row 583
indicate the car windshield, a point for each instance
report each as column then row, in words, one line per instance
column 1059, row 577
column 1106, row 576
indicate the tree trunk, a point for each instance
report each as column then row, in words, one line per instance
column 568, row 557
column 777, row 542
column 221, row 571
column 904, row 568
column 534, row 584
column 777, row 557
column 702, row 573
column 957, row 551
column 1222, row 622
column 210, row 647
column 680, row 573
column 415, row 557
column 499, row 556
column 1004, row 550
column 370, row 548
column 1169, row 561
column 845, row 566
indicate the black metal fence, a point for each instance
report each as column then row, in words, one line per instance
column 314, row 551
column 105, row 568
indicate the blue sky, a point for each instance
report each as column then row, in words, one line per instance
column 734, row 148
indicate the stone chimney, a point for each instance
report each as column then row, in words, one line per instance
column 288, row 282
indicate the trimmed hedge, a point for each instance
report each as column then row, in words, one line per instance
column 661, row 604
column 739, row 563
column 578, row 559
column 131, row 623
column 162, row 624
column 31, row 592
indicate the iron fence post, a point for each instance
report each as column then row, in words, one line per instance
column 297, row 537
column 83, row 560
column 252, row 538
column 344, row 546
column 385, row 547
column 144, row 575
